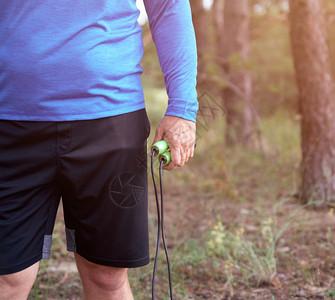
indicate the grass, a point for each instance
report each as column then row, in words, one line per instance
column 250, row 260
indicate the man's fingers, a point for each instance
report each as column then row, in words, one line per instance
column 158, row 135
column 180, row 135
column 188, row 154
column 171, row 166
column 184, row 157
column 179, row 158
column 176, row 157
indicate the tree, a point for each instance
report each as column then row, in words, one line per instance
column 234, row 56
column 218, row 14
column 316, row 99
column 201, row 22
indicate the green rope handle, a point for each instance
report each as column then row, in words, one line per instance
column 161, row 149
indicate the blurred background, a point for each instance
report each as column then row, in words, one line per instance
column 251, row 215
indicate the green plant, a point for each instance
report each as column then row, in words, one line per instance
column 331, row 293
column 252, row 259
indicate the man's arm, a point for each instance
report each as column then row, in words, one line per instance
column 173, row 34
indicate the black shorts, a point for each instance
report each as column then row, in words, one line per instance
column 99, row 169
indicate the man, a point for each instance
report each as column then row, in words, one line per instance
column 73, row 125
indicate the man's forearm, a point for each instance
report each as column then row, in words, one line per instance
column 173, row 34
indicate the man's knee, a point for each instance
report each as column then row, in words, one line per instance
column 109, row 278
column 19, row 284
column 103, row 277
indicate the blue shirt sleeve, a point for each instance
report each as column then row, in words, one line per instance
column 173, row 34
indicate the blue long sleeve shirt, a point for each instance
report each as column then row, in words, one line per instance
column 80, row 59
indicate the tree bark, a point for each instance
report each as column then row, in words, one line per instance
column 235, row 54
column 200, row 23
column 316, row 100
column 218, row 14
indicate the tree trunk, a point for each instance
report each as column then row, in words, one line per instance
column 235, row 53
column 316, row 99
column 218, row 14
column 200, row 22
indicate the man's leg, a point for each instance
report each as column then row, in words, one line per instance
column 28, row 202
column 18, row 285
column 103, row 180
column 103, row 282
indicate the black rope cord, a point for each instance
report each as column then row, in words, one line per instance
column 160, row 226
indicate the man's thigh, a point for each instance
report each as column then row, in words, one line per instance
column 103, row 179
column 28, row 195
column 99, row 167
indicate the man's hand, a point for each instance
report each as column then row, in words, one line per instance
column 180, row 135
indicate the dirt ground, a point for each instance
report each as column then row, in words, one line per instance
column 305, row 260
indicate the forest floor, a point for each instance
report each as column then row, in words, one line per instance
column 304, row 257
column 234, row 227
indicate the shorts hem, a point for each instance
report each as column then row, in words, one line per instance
column 117, row 263
column 20, row 267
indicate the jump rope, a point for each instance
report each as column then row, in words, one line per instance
column 161, row 150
